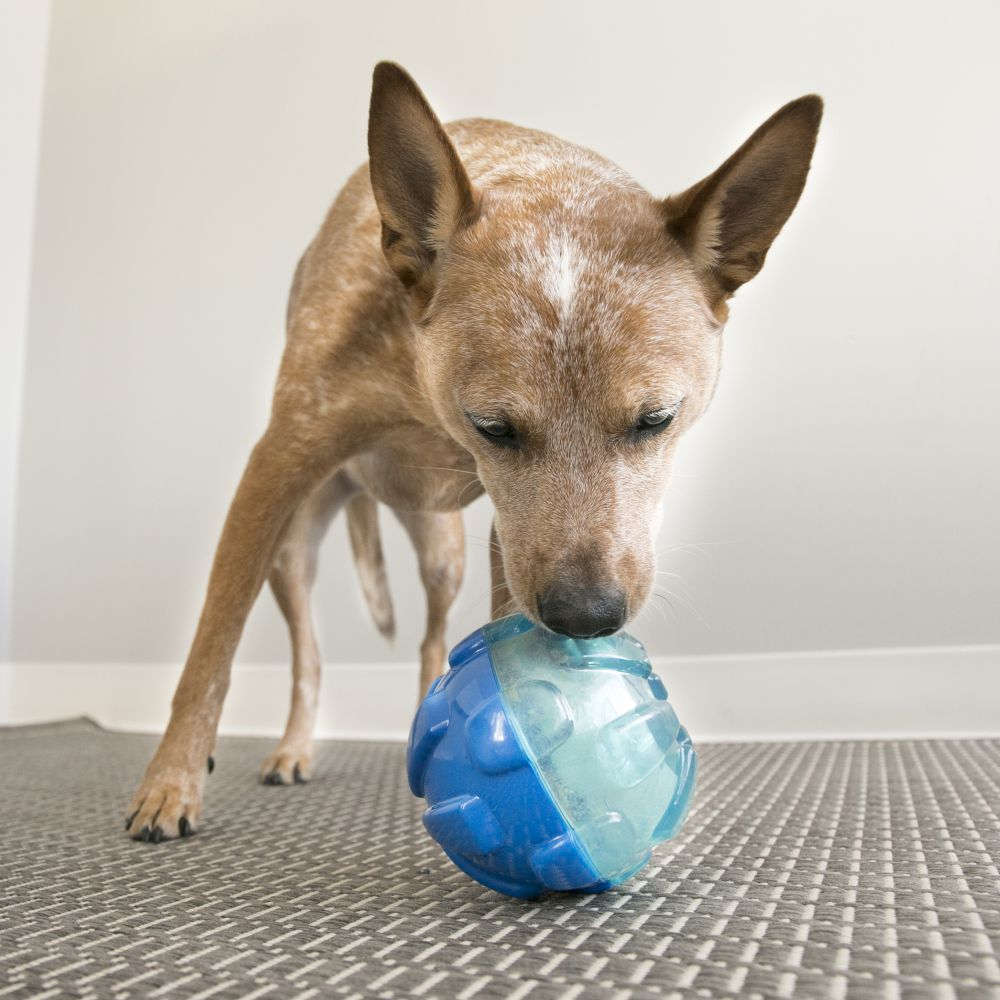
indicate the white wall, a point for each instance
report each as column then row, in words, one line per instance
column 843, row 490
column 24, row 26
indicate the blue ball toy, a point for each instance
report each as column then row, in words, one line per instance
column 549, row 763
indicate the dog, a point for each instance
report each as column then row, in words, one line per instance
column 485, row 308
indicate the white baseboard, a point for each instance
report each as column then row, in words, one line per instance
column 866, row 693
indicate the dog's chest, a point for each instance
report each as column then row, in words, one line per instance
column 418, row 469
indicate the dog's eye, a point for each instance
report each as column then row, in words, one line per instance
column 654, row 421
column 495, row 430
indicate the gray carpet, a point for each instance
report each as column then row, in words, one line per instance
column 805, row 870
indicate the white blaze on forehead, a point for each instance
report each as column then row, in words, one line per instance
column 561, row 266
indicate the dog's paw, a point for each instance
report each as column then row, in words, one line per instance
column 166, row 806
column 288, row 765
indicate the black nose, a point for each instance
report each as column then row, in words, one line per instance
column 582, row 612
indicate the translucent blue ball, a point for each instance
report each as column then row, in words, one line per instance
column 549, row 763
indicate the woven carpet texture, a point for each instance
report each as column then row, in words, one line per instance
column 815, row 870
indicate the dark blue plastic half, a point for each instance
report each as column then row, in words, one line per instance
column 488, row 808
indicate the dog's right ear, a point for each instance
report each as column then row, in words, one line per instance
column 422, row 190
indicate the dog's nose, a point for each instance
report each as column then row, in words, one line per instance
column 582, row 612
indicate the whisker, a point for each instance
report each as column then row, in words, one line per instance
column 656, row 607
column 485, row 542
column 440, row 468
column 465, row 489
column 667, row 603
column 506, row 608
column 686, row 604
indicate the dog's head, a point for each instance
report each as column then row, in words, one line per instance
column 569, row 327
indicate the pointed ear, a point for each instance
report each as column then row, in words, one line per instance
column 421, row 188
column 728, row 221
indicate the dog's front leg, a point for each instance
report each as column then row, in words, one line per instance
column 284, row 466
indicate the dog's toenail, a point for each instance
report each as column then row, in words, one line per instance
column 272, row 778
column 211, row 764
column 157, row 835
column 144, row 834
column 297, row 776
column 129, row 818
column 184, row 827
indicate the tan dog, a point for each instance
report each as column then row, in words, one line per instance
column 485, row 307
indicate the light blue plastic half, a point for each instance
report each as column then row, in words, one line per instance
column 602, row 735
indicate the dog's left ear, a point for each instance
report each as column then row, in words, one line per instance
column 422, row 190
column 728, row 221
